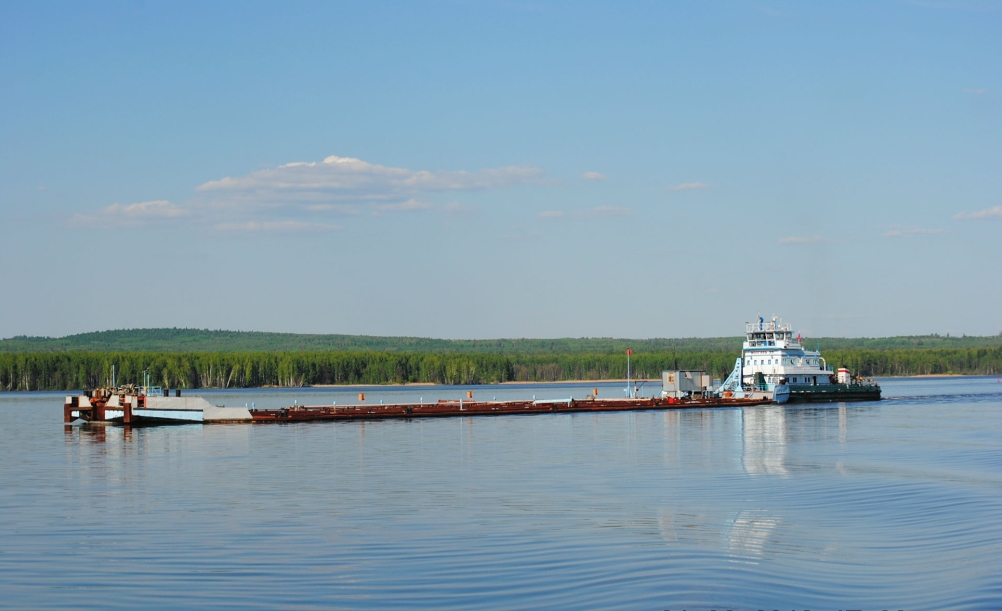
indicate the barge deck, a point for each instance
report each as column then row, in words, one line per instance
column 112, row 407
column 489, row 408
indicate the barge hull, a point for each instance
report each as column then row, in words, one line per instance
column 446, row 409
column 156, row 410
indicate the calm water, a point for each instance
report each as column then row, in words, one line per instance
column 889, row 505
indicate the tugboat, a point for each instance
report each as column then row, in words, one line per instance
column 773, row 360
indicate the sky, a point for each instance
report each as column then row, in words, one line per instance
column 501, row 169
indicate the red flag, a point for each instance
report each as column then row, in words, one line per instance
column 628, row 352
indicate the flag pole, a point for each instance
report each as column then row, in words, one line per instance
column 629, row 386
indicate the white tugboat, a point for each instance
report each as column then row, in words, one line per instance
column 773, row 360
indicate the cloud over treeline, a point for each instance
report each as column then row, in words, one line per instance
column 688, row 186
column 910, row 232
column 138, row 213
column 994, row 212
column 795, row 240
column 350, row 179
column 305, row 196
column 585, row 215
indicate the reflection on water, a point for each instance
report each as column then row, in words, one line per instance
column 896, row 504
column 749, row 533
column 764, row 438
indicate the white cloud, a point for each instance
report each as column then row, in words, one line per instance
column 688, row 186
column 608, row 211
column 409, row 205
column 286, row 226
column 350, row 179
column 908, row 232
column 160, row 208
column 456, row 208
column 594, row 176
column 132, row 214
column 338, row 208
column 300, row 195
column 413, row 205
column 792, row 240
column 987, row 213
column 585, row 215
column 519, row 235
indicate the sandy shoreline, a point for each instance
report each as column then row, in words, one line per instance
column 419, row 384
column 586, row 382
column 933, row 375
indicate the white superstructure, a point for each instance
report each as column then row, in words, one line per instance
column 771, row 349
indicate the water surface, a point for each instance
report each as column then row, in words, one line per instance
column 888, row 505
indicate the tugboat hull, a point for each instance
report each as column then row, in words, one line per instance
column 832, row 393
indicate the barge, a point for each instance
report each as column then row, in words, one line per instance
column 773, row 368
column 133, row 406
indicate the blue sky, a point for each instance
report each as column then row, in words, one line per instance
column 501, row 169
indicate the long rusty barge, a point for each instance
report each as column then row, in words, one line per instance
column 133, row 407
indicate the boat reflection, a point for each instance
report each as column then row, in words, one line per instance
column 769, row 432
column 130, row 445
column 754, row 444
column 764, row 436
column 749, row 533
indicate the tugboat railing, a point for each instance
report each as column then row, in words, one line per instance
column 771, row 326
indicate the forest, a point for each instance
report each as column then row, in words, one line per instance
column 84, row 369
column 205, row 340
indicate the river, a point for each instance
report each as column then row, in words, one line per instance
column 894, row 504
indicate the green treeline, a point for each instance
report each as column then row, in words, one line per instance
column 82, row 370
column 909, row 362
column 204, row 340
